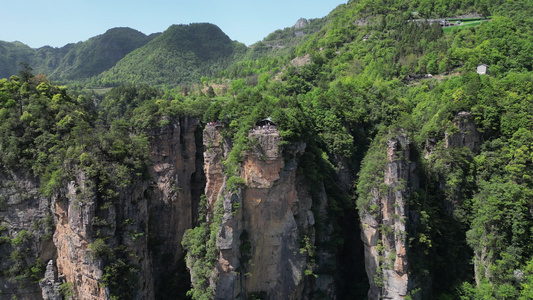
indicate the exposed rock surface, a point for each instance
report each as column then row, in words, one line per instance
column 265, row 225
column 384, row 231
column 270, row 203
column 50, row 284
column 267, row 238
column 466, row 134
column 74, row 232
column 301, row 23
column 160, row 209
column 178, row 182
column 22, row 210
column 301, row 61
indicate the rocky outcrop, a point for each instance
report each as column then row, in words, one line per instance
column 266, row 241
column 26, row 228
column 178, row 181
column 301, row 61
column 465, row 133
column 78, row 233
column 299, row 26
column 83, row 224
column 73, row 234
column 301, row 23
column 50, row 285
column 271, row 201
column 160, row 210
column 267, row 238
column 225, row 275
column 384, row 230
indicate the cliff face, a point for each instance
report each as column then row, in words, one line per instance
column 266, row 239
column 73, row 234
column 26, row 228
column 149, row 220
column 384, row 231
column 389, row 223
column 465, row 133
column 141, row 230
column 178, row 181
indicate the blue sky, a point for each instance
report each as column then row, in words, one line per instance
column 57, row 22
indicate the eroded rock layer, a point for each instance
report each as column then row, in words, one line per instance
column 384, row 231
column 266, row 240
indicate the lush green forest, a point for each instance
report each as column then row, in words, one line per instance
column 182, row 54
column 73, row 61
column 364, row 81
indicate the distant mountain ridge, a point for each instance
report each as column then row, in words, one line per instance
column 73, row 61
column 182, row 53
column 100, row 53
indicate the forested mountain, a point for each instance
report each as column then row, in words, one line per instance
column 368, row 159
column 11, row 55
column 73, row 61
column 183, row 53
column 283, row 41
column 100, row 53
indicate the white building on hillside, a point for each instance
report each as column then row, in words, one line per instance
column 482, row 69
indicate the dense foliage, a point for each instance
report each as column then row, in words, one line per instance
column 73, row 61
column 353, row 80
column 48, row 134
column 100, row 53
column 366, row 79
column 183, row 53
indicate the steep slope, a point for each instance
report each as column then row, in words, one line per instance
column 440, row 167
column 283, row 41
column 26, row 230
column 11, row 54
column 73, row 61
column 100, row 53
column 262, row 225
column 102, row 223
column 384, row 218
column 181, row 53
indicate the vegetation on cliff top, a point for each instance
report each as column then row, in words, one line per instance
column 363, row 77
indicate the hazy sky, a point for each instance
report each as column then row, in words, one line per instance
column 57, row 22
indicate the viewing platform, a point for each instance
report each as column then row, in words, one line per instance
column 265, row 126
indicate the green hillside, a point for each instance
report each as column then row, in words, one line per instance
column 73, row 61
column 100, row 53
column 366, row 82
column 183, row 53
column 355, row 82
column 11, row 54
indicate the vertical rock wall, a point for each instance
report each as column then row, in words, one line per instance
column 384, row 224
column 22, row 209
column 384, row 231
column 271, row 202
column 73, row 234
column 226, row 275
column 177, row 176
column 81, row 221
column 267, row 239
column 146, row 222
column 149, row 220
column 465, row 133
column 266, row 225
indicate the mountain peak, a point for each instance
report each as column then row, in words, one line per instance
column 301, row 23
